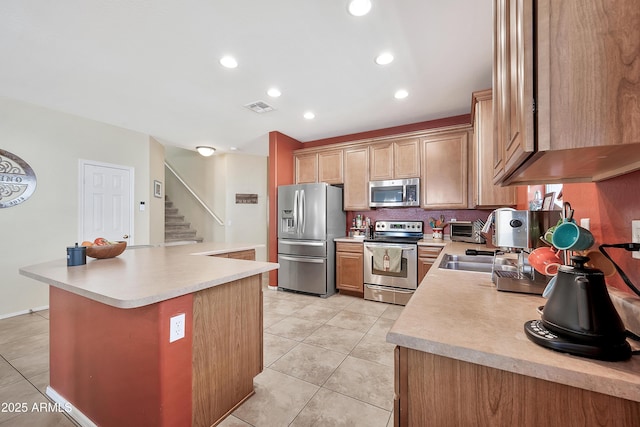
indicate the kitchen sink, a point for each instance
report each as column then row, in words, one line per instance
column 479, row 263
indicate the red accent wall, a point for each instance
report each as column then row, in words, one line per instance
column 117, row 366
column 281, row 167
column 611, row 205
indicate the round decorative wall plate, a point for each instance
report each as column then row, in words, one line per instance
column 17, row 180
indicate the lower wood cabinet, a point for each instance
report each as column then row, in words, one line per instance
column 426, row 257
column 432, row 390
column 249, row 255
column 349, row 266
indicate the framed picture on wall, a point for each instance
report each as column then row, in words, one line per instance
column 547, row 202
column 157, row 189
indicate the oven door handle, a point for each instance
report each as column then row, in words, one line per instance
column 391, row 245
column 387, row 288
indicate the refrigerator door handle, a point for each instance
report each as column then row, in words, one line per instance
column 295, row 211
column 309, row 260
column 392, row 245
column 300, row 243
column 302, row 210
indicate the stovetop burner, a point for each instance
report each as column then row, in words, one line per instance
column 397, row 232
column 539, row 334
column 392, row 239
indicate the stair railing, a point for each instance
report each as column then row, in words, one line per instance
column 202, row 203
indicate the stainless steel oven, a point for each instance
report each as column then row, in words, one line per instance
column 398, row 239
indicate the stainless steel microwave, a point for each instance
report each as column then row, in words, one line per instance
column 394, row 193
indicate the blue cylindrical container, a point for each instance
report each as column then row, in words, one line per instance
column 76, row 255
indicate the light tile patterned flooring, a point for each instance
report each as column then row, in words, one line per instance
column 326, row 363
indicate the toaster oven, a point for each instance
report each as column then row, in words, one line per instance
column 466, row 231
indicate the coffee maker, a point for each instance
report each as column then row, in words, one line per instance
column 520, row 231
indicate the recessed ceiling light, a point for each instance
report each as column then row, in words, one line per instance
column 228, row 62
column 233, row 148
column 401, row 94
column 274, row 92
column 384, row 58
column 309, row 115
column 359, row 7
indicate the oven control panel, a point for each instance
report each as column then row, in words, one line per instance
column 406, row 226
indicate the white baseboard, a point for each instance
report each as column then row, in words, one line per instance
column 72, row 411
column 21, row 312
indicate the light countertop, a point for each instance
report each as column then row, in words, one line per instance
column 144, row 276
column 461, row 315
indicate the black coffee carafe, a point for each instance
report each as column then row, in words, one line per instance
column 579, row 317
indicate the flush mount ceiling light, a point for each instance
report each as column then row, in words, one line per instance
column 401, row 94
column 359, row 7
column 384, row 58
column 205, row 151
column 274, row 92
column 228, row 62
column 309, row 115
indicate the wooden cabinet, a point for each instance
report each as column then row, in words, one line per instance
column 330, row 166
column 485, row 194
column 426, row 257
column 581, row 84
column 395, row 160
column 406, row 158
column 432, row 390
column 381, row 161
column 444, row 170
column 249, row 254
column 356, row 178
column 306, row 168
column 322, row 166
column 349, row 267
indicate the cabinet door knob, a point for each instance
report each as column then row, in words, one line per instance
column 126, row 236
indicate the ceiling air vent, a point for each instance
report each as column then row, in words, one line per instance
column 259, row 107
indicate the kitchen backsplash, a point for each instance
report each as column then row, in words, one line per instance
column 417, row 214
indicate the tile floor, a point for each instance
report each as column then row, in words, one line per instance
column 326, row 363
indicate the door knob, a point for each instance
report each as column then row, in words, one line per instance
column 126, row 236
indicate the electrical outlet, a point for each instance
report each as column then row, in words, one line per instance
column 635, row 236
column 176, row 330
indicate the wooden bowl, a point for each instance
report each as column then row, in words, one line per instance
column 106, row 251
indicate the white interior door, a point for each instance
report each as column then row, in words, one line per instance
column 106, row 202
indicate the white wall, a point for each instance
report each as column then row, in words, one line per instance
column 216, row 180
column 41, row 228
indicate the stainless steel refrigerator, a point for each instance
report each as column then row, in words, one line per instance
column 310, row 216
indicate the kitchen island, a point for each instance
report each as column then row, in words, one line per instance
column 462, row 358
column 117, row 359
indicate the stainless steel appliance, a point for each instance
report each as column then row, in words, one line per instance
column 523, row 229
column 395, row 286
column 394, row 193
column 466, row 231
column 310, row 216
column 520, row 229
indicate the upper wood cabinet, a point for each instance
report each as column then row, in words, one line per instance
column 356, row 178
column 330, row 166
column 322, row 166
column 306, row 168
column 444, row 170
column 587, row 92
column 395, row 160
column 484, row 192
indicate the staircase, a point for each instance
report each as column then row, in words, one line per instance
column 175, row 227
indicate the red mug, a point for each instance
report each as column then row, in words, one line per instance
column 545, row 260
